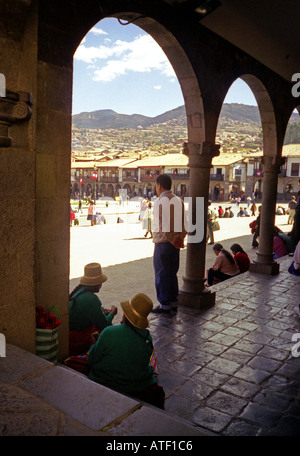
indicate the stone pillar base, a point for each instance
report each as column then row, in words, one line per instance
column 203, row 300
column 268, row 269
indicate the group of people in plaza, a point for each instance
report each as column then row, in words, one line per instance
column 122, row 356
column 93, row 215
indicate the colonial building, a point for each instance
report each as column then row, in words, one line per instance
column 232, row 174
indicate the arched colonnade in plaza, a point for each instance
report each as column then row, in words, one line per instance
column 37, row 60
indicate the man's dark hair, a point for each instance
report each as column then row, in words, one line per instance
column 165, row 181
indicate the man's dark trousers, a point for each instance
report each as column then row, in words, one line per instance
column 166, row 265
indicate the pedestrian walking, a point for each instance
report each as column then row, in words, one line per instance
column 148, row 220
column 211, row 218
column 92, row 213
column 253, row 209
column 72, row 215
column 292, row 209
column 256, row 229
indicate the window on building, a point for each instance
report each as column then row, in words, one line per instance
column 238, row 171
column 295, row 169
column 219, row 171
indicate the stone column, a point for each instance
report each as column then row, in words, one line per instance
column 264, row 262
column 193, row 292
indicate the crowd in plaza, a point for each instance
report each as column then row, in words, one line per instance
column 122, row 357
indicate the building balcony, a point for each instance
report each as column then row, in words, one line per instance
column 130, row 179
column 147, row 178
column 178, row 176
column 108, row 180
column 217, row 177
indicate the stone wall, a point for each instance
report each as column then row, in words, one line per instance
column 18, row 43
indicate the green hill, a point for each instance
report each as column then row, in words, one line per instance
column 108, row 119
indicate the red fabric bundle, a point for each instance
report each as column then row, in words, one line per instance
column 252, row 225
column 80, row 341
column 46, row 320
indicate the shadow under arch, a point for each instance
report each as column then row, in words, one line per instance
column 180, row 63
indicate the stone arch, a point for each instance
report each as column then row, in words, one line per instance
column 180, row 62
column 110, row 190
column 128, row 188
column 103, row 189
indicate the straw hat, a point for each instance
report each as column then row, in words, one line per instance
column 137, row 309
column 93, row 275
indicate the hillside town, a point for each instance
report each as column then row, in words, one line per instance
column 107, row 160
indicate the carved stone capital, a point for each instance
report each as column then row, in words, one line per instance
column 15, row 107
column 201, row 155
column 272, row 164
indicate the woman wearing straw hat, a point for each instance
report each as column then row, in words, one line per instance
column 86, row 314
column 120, row 357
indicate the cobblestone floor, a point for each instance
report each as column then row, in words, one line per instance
column 230, row 368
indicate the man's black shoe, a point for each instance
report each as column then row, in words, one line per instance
column 159, row 310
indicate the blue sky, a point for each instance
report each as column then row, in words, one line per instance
column 122, row 68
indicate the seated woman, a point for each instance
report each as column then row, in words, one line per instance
column 279, row 246
column 120, row 357
column 295, row 266
column 240, row 257
column 224, row 267
column 86, row 314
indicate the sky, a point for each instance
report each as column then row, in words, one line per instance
column 120, row 67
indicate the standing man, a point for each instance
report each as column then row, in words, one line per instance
column 292, row 210
column 168, row 237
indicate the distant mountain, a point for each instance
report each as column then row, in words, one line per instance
column 107, row 118
column 240, row 112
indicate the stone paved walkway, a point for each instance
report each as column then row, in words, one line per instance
column 230, row 368
column 227, row 370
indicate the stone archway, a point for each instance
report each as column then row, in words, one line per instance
column 40, row 45
column 110, row 191
column 103, row 189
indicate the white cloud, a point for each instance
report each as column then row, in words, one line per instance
column 98, row 31
column 140, row 55
column 157, row 87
